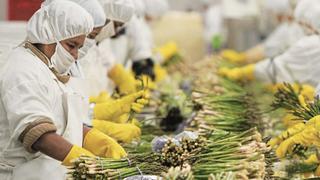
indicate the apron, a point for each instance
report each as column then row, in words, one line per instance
column 46, row 168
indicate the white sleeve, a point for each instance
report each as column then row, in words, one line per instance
column 25, row 103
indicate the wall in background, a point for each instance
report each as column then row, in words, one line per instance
column 3, row 10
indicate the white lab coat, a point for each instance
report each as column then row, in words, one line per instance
column 285, row 35
column 300, row 63
column 213, row 23
column 95, row 65
column 29, row 91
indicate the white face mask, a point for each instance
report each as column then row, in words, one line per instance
column 88, row 43
column 106, row 32
column 62, row 60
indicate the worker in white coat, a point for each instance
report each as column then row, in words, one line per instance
column 92, row 61
column 214, row 30
column 300, row 63
column 41, row 118
column 287, row 33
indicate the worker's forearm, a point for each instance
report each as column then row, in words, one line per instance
column 53, row 145
column 255, row 54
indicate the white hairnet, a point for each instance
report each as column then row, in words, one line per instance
column 139, row 7
column 308, row 11
column 279, row 6
column 156, row 8
column 118, row 10
column 95, row 9
column 58, row 21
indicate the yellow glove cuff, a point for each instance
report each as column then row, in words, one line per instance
column 75, row 153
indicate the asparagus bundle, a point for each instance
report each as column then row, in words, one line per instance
column 242, row 153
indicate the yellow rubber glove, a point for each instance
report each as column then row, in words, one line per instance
column 121, row 132
column 115, row 108
column 305, row 90
column 102, row 145
column 242, row 73
column 103, row 97
column 75, row 153
column 286, row 134
column 168, row 50
column 123, row 79
column 312, row 159
column 289, row 120
column 160, row 73
column 297, row 128
column 233, row 56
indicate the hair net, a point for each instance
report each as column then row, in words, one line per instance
column 139, row 7
column 58, row 21
column 279, row 6
column 118, row 10
column 156, row 8
column 95, row 9
column 308, row 11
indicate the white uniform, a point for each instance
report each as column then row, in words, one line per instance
column 301, row 63
column 213, row 21
column 30, row 91
column 282, row 38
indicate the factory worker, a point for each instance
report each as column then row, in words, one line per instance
column 300, row 63
column 287, row 33
column 214, row 31
column 139, row 40
column 100, row 65
column 41, row 118
column 106, row 110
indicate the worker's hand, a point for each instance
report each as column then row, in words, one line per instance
column 289, row 120
column 121, row 132
column 75, row 153
column 167, row 51
column 237, row 74
column 286, row 134
column 103, row 145
column 233, row 56
column 102, row 98
column 123, row 79
column 160, row 73
column 115, row 108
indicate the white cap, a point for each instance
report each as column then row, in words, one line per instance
column 57, row 21
column 279, row 6
column 118, row 10
column 156, row 8
column 140, row 8
column 95, row 9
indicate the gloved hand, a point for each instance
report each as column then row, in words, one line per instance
column 233, row 56
column 123, row 79
column 75, row 153
column 121, row 132
column 305, row 90
column 103, row 97
column 236, row 74
column 160, row 73
column 115, row 108
column 289, row 120
column 314, row 159
column 216, row 42
column 168, row 50
column 102, row 145
column 307, row 137
column 299, row 127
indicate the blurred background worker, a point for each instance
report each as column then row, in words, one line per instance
column 137, row 38
column 300, row 63
column 286, row 33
